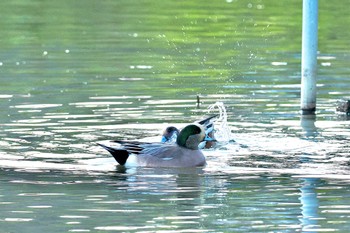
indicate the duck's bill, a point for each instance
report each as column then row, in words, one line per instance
column 164, row 139
column 209, row 139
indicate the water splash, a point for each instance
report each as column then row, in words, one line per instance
column 222, row 130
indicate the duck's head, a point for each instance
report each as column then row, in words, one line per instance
column 191, row 136
column 170, row 134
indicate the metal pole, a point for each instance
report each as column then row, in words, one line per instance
column 309, row 57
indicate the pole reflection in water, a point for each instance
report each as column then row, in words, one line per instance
column 307, row 122
column 308, row 199
column 309, row 202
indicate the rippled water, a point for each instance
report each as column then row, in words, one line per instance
column 74, row 73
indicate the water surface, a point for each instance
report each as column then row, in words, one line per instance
column 74, row 73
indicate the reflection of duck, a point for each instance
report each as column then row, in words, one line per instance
column 171, row 133
column 183, row 153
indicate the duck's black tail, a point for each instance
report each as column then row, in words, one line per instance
column 120, row 155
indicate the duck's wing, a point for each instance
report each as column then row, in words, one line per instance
column 133, row 147
column 207, row 120
column 160, row 150
column 164, row 151
column 121, row 153
column 208, row 124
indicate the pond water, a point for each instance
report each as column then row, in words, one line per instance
column 74, row 73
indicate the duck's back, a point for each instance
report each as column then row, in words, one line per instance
column 170, row 155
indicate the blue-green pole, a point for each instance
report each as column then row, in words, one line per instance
column 309, row 57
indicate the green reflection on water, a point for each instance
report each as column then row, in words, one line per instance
column 191, row 47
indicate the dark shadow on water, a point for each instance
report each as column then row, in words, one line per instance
column 120, row 169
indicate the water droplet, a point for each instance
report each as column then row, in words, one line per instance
column 260, row 7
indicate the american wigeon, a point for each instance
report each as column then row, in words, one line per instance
column 183, row 153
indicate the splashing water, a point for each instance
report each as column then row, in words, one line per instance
column 222, row 131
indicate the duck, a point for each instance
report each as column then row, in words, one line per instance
column 183, row 153
column 171, row 133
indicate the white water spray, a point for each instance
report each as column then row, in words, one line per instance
column 222, row 130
